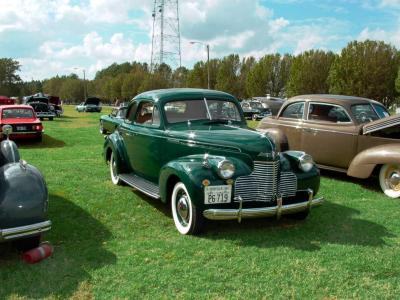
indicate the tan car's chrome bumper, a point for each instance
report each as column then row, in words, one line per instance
column 259, row 212
column 18, row 232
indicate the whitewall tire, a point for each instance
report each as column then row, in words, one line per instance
column 389, row 180
column 113, row 170
column 188, row 220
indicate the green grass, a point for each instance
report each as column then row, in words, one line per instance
column 112, row 242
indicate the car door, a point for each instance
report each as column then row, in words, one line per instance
column 329, row 135
column 144, row 140
column 290, row 121
column 110, row 124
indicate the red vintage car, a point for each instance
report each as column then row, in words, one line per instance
column 23, row 120
column 4, row 100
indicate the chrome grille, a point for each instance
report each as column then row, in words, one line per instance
column 262, row 184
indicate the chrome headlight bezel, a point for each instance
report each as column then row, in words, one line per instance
column 226, row 169
column 306, row 162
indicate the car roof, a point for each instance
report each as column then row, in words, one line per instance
column 334, row 99
column 165, row 95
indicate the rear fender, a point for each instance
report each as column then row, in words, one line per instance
column 365, row 162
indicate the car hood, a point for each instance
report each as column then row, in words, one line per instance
column 377, row 125
column 226, row 138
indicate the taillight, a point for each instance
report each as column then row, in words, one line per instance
column 38, row 127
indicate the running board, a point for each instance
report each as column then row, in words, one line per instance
column 143, row 185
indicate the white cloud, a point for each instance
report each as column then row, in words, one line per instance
column 392, row 37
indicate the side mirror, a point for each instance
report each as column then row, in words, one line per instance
column 7, row 130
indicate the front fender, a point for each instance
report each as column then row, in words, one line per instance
column 115, row 144
column 191, row 171
column 23, row 196
column 365, row 162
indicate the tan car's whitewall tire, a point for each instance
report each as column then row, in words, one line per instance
column 389, row 179
column 113, row 171
column 187, row 219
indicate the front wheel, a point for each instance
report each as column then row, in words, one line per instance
column 389, row 180
column 187, row 218
column 113, row 171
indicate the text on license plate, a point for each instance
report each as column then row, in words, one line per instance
column 20, row 128
column 217, row 194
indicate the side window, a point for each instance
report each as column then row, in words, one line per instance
column 148, row 114
column 293, row 111
column 327, row 113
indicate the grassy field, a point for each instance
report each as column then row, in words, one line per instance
column 112, row 242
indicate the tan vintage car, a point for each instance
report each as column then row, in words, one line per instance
column 348, row 134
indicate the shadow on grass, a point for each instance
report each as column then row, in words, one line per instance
column 329, row 224
column 157, row 204
column 371, row 183
column 78, row 241
column 47, row 142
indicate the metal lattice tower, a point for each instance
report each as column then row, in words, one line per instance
column 166, row 41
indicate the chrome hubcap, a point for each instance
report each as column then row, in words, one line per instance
column 182, row 208
column 394, row 181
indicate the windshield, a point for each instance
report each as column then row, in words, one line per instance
column 17, row 113
column 183, row 111
column 381, row 111
column 365, row 113
column 257, row 105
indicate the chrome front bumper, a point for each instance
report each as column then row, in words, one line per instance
column 259, row 212
column 19, row 232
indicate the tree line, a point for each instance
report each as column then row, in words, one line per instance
column 367, row 69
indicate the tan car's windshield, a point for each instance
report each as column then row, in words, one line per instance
column 365, row 113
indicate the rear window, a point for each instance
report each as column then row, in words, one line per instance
column 18, row 113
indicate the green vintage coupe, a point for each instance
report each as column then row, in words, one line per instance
column 108, row 123
column 192, row 149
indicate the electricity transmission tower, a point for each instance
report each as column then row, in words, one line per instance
column 166, row 41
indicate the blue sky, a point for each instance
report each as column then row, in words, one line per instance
column 51, row 37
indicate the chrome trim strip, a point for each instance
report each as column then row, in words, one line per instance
column 301, row 126
column 16, row 232
column 232, row 214
column 25, row 132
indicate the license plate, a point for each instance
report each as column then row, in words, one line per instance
column 20, row 128
column 217, row 194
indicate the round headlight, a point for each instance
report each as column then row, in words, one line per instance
column 226, row 169
column 306, row 162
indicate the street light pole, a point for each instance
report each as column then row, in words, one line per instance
column 208, row 60
column 84, row 81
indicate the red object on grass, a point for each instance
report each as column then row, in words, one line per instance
column 37, row 254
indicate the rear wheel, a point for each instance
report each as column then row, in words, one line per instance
column 39, row 138
column 113, row 171
column 26, row 244
column 51, row 118
column 389, row 180
column 187, row 218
